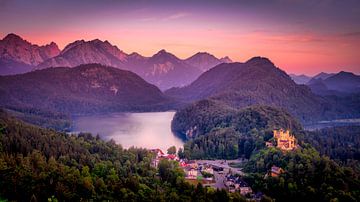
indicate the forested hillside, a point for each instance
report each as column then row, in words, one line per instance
column 259, row 81
column 43, row 165
column 91, row 88
column 216, row 130
column 341, row 144
column 307, row 176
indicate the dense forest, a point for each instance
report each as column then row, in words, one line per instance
column 307, row 176
column 341, row 144
column 218, row 131
column 43, row 165
column 325, row 167
column 43, row 118
column 203, row 116
column 88, row 88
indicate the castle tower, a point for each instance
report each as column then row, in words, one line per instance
column 285, row 141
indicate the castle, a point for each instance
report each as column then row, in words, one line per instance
column 284, row 140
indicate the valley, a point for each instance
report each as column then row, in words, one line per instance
column 90, row 122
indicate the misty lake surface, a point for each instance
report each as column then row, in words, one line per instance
column 148, row 130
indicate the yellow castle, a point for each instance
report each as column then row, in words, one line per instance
column 285, row 141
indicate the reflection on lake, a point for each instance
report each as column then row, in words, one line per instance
column 148, row 130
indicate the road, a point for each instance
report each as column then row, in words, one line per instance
column 219, row 180
column 224, row 164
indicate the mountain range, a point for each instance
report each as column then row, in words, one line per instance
column 90, row 88
column 300, row 79
column 258, row 81
column 95, row 76
column 162, row 69
column 18, row 55
column 342, row 83
column 204, row 61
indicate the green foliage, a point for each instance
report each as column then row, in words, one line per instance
column 223, row 132
column 46, row 119
column 340, row 143
column 307, row 177
column 170, row 171
column 171, row 150
column 44, row 165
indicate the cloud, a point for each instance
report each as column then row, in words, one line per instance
column 177, row 16
column 351, row 34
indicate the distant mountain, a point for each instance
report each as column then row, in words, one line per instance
column 341, row 84
column 204, row 61
column 344, row 82
column 257, row 81
column 318, row 87
column 300, row 79
column 226, row 59
column 18, row 55
column 85, row 52
column 162, row 69
column 88, row 88
column 323, row 75
column 165, row 70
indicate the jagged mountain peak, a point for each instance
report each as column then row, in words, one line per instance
column 226, row 59
column 73, row 44
column 163, row 54
column 12, row 36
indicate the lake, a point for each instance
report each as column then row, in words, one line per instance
column 332, row 123
column 148, row 130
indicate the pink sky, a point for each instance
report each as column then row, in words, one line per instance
column 299, row 38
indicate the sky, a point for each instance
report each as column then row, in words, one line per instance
column 301, row 37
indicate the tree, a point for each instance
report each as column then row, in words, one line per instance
column 171, row 150
column 181, row 153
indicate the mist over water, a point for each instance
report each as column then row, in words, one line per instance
column 148, row 130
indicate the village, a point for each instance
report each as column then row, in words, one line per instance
column 227, row 174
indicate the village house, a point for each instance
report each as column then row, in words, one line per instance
column 276, row 171
column 269, row 144
column 191, row 173
column 285, row 141
column 192, row 164
column 208, row 170
column 234, row 184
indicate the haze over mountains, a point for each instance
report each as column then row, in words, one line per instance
column 258, row 81
column 204, row 61
column 342, row 83
column 201, row 76
column 162, row 69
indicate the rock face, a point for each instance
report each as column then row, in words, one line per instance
column 256, row 81
column 166, row 70
column 19, row 56
column 162, row 69
column 84, row 89
column 204, row 61
column 85, row 52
